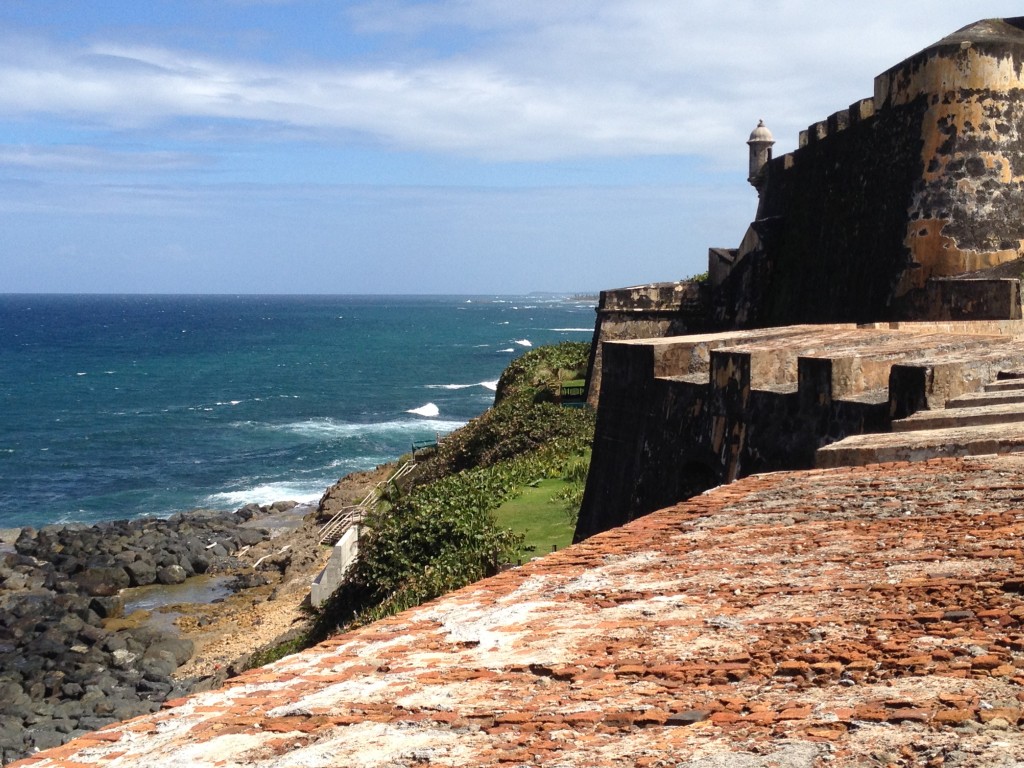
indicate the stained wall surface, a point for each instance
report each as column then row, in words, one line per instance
column 923, row 181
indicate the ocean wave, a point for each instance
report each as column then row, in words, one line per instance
column 330, row 428
column 524, row 342
column 429, row 410
column 491, row 385
column 266, row 493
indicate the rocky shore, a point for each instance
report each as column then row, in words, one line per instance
column 72, row 658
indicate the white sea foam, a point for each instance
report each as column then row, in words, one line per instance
column 266, row 493
column 81, row 373
column 524, row 342
column 491, row 385
column 429, row 410
column 572, row 330
column 332, row 429
column 507, row 350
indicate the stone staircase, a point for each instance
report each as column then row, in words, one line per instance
column 336, row 527
column 342, row 534
column 989, row 421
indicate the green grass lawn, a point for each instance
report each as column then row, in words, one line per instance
column 544, row 523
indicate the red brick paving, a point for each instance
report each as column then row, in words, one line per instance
column 857, row 616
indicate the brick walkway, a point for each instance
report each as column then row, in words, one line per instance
column 856, row 616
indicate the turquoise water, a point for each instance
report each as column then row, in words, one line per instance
column 122, row 406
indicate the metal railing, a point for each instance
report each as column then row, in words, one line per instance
column 353, row 514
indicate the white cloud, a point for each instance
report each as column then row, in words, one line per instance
column 86, row 158
column 531, row 80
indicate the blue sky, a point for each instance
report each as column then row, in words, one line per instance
column 440, row 146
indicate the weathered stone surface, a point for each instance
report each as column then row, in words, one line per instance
column 857, row 614
column 682, row 414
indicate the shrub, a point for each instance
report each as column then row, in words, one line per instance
column 440, row 535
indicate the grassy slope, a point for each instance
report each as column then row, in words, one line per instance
column 541, row 520
column 454, row 526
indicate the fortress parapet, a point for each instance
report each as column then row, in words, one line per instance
column 923, row 181
column 879, row 279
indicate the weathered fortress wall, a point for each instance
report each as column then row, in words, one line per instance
column 684, row 414
column 645, row 311
column 921, row 183
column 906, row 206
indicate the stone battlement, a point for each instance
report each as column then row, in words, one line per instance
column 679, row 415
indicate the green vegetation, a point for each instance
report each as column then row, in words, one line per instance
column 536, row 515
column 476, row 499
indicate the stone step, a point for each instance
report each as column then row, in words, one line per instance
column 1005, row 385
column 960, row 417
column 859, row 450
column 981, row 399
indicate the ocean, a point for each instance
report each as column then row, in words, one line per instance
column 137, row 405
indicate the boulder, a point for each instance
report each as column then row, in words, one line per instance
column 171, row 574
column 107, row 607
column 179, row 649
column 141, row 572
column 102, row 581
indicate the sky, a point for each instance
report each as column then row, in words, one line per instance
column 399, row 146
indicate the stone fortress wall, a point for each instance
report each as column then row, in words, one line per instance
column 900, row 206
column 883, row 271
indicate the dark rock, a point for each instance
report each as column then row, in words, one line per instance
column 171, row 574
column 127, row 709
column 94, row 723
column 180, row 650
column 157, row 669
column 64, row 726
column 46, row 738
column 141, row 572
column 249, row 580
column 251, row 536
column 249, row 511
column 102, row 581
column 72, row 624
column 156, row 688
column 108, row 607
